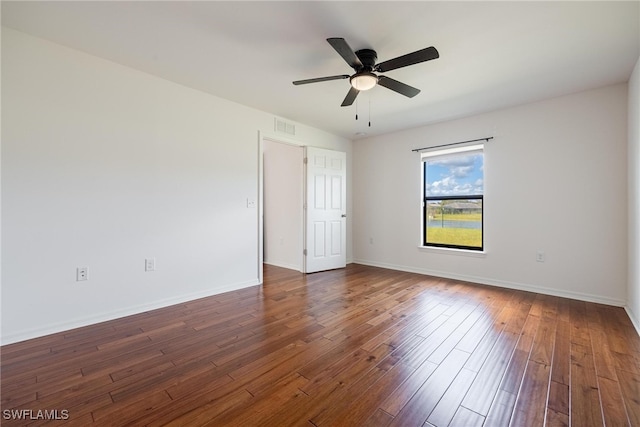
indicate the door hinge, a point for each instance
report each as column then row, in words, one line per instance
column 304, row 252
column 305, row 160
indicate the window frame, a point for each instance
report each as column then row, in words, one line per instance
column 426, row 199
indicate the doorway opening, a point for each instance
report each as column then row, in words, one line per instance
column 283, row 172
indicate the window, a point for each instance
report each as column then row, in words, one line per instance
column 453, row 198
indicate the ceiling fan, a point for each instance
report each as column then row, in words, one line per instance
column 364, row 64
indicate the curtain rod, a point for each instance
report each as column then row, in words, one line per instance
column 453, row 143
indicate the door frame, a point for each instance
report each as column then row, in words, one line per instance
column 262, row 137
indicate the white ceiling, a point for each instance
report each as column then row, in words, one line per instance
column 492, row 54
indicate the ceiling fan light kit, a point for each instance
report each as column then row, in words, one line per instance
column 363, row 81
column 363, row 63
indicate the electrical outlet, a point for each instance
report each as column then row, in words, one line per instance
column 540, row 256
column 251, row 203
column 150, row 264
column 82, row 273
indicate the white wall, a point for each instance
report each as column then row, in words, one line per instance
column 555, row 181
column 283, row 199
column 633, row 304
column 104, row 166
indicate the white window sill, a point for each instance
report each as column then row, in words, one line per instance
column 453, row 251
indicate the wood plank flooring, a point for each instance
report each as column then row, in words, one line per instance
column 361, row 346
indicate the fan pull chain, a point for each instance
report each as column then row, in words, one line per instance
column 356, row 109
column 369, row 111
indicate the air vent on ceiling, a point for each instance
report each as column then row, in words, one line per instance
column 283, row 127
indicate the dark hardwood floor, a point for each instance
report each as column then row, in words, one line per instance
column 361, row 346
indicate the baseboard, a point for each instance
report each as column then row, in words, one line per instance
column 103, row 317
column 284, row 265
column 634, row 320
column 500, row 283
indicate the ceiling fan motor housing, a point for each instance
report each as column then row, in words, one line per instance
column 368, row 57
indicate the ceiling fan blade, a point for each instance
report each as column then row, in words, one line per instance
column 351, row 96
column 321, row 79
column 341, row 46
column 397, row 86
column 416, row 57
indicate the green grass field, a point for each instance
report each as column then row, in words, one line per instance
column 455, row 236
column 457, row 217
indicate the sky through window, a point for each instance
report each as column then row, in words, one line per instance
column 455, row 175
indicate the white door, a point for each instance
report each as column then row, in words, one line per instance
column 326, row 211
